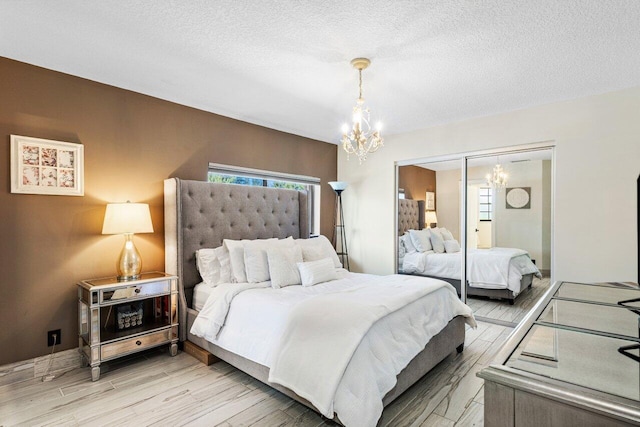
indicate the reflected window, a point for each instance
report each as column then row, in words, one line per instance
column 485, row 196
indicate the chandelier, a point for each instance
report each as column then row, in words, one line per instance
column 498, row 179
column 360, row 139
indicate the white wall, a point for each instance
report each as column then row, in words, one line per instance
column 597, row 164
column 521, row 228
column 448, row 200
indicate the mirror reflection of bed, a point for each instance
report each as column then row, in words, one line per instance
column 508, row 229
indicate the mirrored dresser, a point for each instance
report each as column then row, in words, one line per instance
column 574, row 361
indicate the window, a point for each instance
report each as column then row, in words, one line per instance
column 485, row 200
column 247, row 176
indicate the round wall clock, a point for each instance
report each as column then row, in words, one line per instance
column 519, row 198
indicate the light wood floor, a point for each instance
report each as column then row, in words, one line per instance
column 501, row 310
column 155, row 389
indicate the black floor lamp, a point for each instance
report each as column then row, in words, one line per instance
column 339, row 235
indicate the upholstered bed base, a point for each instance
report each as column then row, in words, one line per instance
column 506, row 294
column 200, row 215
column 439, row 347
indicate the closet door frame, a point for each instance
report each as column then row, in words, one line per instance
column 464, row 158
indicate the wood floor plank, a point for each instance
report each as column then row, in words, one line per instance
column 461, row 395
column 153, row 388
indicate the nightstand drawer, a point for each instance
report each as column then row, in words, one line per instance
column 130, row 345
column 123, row 293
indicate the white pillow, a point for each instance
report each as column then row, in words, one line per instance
column 408, row 244
column 451, row 246
column 256, row 264
column 314, row 272
column 213, row 265
column 208, row 266
column 437, row 242
column 420, row 239
column 225, row 264
column 446, row 234
column 283, row 267
column 402, row 249
column 318, row 248
column 236, row 254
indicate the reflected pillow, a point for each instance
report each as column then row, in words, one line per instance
column 446, row 234
column 437, row 242
column 451, row 246
column 408, row 244
column 420, row 239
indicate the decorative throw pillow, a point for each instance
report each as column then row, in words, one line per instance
column 420, row 239
column 283, row 268
column 314, row 272
column 451, row 246
column 256, row 263
column 317, row 248
column 437, row 242
column 236, row 255
column 446, row 234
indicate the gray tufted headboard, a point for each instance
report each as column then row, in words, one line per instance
column 200, row 214
column 410, row 215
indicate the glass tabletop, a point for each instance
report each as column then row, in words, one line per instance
column 580, row 358
column 602, row 318
column 601, row 294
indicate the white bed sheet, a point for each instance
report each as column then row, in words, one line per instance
column 201, row 293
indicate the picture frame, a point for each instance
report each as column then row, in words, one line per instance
column 430, row 201
column 518, row 198
column 43, row 166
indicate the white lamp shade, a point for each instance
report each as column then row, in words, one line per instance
column 122, row 218
column 430, row 217
column 338, row 185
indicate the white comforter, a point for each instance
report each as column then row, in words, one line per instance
column 495, row 268
column 355, row 391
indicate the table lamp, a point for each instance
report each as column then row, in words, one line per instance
column 128, row 218
column 430, row 218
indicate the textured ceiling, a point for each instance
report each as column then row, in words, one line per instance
column 285, row 64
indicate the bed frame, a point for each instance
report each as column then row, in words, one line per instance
column 411, row 217
column 201, row 214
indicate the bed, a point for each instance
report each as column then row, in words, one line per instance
column 201, row 215
column 495, row 273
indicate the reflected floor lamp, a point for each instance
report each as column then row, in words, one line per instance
column 339, row 235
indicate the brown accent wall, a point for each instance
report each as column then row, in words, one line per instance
column 132, row 142
column 416, row 181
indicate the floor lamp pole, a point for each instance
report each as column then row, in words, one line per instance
column 339, row 233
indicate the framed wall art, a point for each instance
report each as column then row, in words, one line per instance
column 518, row 198
column 43, row 166
column 430, row 201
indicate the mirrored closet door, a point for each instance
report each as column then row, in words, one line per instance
column 493, row 210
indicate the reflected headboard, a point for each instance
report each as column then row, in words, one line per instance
column 410, row 215
column 199, row 214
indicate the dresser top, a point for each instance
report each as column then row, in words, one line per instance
column 580, row 340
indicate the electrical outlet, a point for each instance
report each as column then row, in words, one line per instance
column 50, row 339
